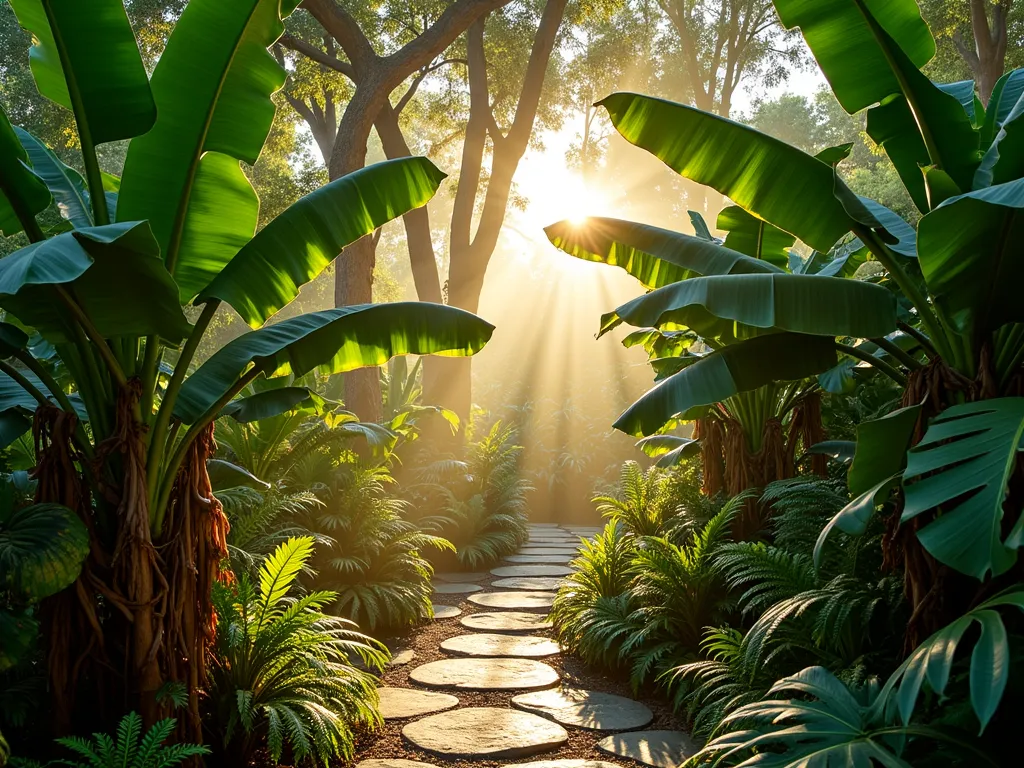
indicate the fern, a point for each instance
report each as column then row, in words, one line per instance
column 286, row 670
column 132, row 748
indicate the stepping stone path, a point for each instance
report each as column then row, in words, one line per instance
column 660, row 749
column 506, row 621
column 486, row 674
column 397, row 703
column 461, row 578
column 456, row 589
column 485, row 733
column 498, row 657
column 483, row 644
column 514, row 600
column 446, row 611
column 530, row 582
column 586, row 709
column 538, row 559
column 506, row 571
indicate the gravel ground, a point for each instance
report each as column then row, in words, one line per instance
column 426, row 640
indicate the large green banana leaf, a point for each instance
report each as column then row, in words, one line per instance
column 212, row 88
column 21, row 191
column 297, row 245
column 654, row 256
column 754, row 237
column 272, row 402
column 740, row 306
column 106, row 83
column 881, row 448
column 669, row 450
column 765, row 176
column 970, row 254
column 1007, row 91
column 961, row 468
column 65, row 183
column 722, row 374
column 846, row 45
column 13, row 424
column 1004, row 159
column 334, row 340
column 115, row 274
column 924, row 126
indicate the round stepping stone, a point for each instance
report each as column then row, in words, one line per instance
column 538, row 559
column 393, row 762
column 446, row 611
column 586, row 709
column 542, row 525
column 483, row 644
column 397, row 703
column 514, row 600
column 547, row 551
column 506, row 621
column 485, row 733
column 563, row 764
column 460, row 577
column 530, row 582
column 486, row 674
column 456, row 589
column 661, row 749
column 507, row 571
column 402, row 657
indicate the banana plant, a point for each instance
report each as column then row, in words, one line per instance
column 125, row 437
column 951, row 282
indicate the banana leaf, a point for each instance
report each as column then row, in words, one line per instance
column 723, row 373
column 22, row 193
column 42, row 548
column 95, row 39
column 1004, row 159
column 212, row 88
column 297, row 245
column 970, row 256
column 65, row 183
column 881, row 448
column 754, row 237
column 334, row 340
column 115, row 274
column 741, row 306
column 1007, row 91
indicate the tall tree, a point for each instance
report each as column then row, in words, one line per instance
column 977, row 39
column 375, row 76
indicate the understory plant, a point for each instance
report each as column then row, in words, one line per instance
column 286, row 673
column 122, row 418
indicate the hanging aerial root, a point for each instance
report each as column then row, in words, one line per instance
column 806, row 428
column 709, row 431
column 196, row 547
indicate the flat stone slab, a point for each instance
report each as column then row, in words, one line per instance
column 586, row 709
column 402, row 657
column 486, row 674
column 507, row 571
column 514, row 600
column 530, row 582
column 398, row 703
column 456, row 589
column 561, row 764
column 548, row 551
column 485, row 733
column 446, row 611
column 506, row 621
column 483, row 644
column 460, row 577
column 660, row 749
column 542, row 525
column 538, row 558
column 393, row 762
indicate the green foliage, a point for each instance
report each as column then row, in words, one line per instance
column 286, row 672
column 375, row 561
column 130, row 747
column 644, row 501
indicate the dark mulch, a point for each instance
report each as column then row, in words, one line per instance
column 426, row 640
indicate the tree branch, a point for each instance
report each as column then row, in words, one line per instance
column 314, row 53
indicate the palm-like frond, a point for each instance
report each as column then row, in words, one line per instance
column 286, row 669
column 132, row 748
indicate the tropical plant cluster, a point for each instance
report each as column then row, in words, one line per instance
column 863, row 606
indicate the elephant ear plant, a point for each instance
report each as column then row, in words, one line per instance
column 123, row 440
column 940, row 313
